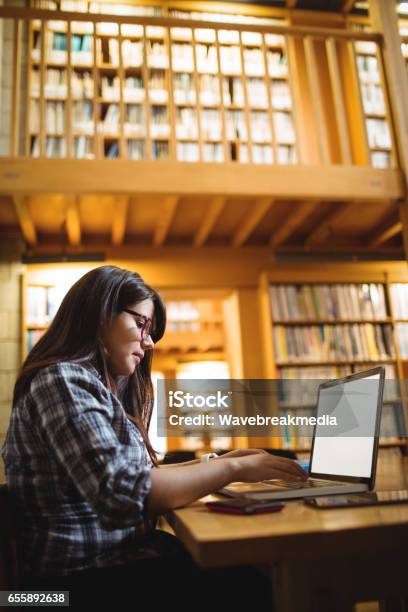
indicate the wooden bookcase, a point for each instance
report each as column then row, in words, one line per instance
column 303, row 284
column 375, row 106
column 151, row 92
column 163, row 88
column 194, row 333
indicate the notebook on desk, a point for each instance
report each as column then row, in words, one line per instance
column 344, row 456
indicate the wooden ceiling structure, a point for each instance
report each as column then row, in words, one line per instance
column 77, row 223
column 79, row 206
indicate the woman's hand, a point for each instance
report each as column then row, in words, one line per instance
column 263, row 466
column 241, row 452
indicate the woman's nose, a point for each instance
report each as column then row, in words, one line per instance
column 147, row 343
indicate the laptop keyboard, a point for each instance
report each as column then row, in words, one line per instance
column 306, row 484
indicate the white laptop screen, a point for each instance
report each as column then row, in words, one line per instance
column 346, row 449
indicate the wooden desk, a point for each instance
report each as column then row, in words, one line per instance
column 320, row 560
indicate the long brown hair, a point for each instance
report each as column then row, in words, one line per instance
column 75, row 335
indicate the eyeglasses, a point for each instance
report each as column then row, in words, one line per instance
column 146, row 323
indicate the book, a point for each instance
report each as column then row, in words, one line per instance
column 331, row 302
column 345, row 342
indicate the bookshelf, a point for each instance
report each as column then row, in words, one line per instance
column 326, row 329
column 148, row 92
column 374, row 103
column 194, row 327
column 143, row 91
column 194, row 345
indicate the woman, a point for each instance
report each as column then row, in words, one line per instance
column 82, row 473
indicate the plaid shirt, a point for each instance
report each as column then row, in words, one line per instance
column 78, row 474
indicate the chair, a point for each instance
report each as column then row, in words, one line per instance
column 8, row 543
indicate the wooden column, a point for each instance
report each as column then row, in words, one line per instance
column 384, row 20
column 243, row 346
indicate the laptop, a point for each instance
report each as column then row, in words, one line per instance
column 344, row 456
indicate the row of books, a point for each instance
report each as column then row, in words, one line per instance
column 346, row 342
column 42, row 304
column 54, row 117
column 380, row 159
column 392, row 427
column 328, row 302
column 286, row 154
column 55, row 146
column 260, row 154
column 135, row 149
column 160, row 150
column 211, row 125
column 134, row 114
column 399, row 296
column 83, row 147
column 186, row 123
column 368, row 70
column 82, row 117
column 213, row 152
column 329, row 372
column 298, row 386
column 188, row 151
column 233, row 92
column 373, row 99
column 378, row 133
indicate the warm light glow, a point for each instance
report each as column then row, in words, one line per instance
column 61, row 276
column 203, row 370
column 159, row 443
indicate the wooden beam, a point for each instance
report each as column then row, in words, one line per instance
column 317, row 96
column 163, row 225
column 121, row 207
column 295, row 182
column 403, row 214
column 251, row 220
column 384, row 19
column 293, row 221
column 213, row 212
column 385, row 232
column 291, row 3
column 338, row 98
column 347, row 5
column 327, row 223
column 72, row 221
column 25, row 219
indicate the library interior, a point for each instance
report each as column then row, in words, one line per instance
column 249, row 160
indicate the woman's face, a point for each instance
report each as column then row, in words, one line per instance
column 123, row 338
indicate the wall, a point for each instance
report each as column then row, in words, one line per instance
column 10, row 315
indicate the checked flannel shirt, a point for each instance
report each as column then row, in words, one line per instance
column 78, row 475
